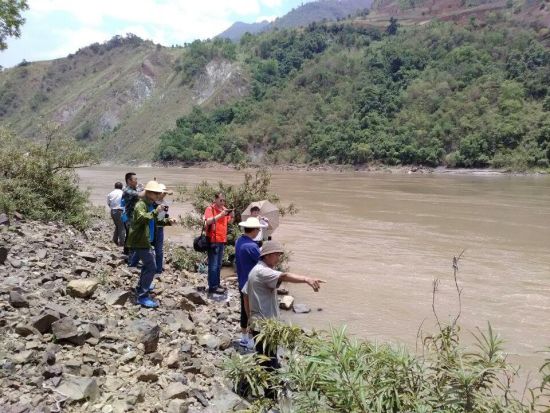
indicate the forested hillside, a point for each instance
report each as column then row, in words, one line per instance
column 471, row 95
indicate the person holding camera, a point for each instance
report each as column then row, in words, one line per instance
column 159, row 231
column 141, row 238
column 217, row 217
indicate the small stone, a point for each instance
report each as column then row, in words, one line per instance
column 3, row 254
column 41, row 254
column 210, row 341
column 286, row 302
column 118, row 297
column 173, row 359
column 194, row 296
column 66, row 330
column 147, row 376
column 78, row 388
column 15, row 263
column 301, row 308
column 156, row 358
column 49, row 357
column 147, row 333
column 52, row 371
column 197, row 394
column 88, row 256
column 187, row 305
column 176, row 390
column 178, row 406
column 82, row 288
column 25, row 330
column 22, row 357
column 43, row 322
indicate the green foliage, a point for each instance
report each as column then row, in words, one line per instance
column 330, row 372
column 440, row 94
column 198, row 54
column 37, row 178
column 11, row 20
column 186, row 259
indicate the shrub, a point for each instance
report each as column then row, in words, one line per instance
column 38, row 178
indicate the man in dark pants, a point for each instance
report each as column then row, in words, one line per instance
column 247, row 254
column 114, row 201
column 217, row 217
column 260, row 294
column 140, row 240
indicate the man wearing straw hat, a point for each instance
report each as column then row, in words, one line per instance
column 260, row 291
column 247, row 255
column 141, row 237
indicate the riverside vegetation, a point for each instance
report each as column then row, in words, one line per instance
column 71, row 338
column 473, row 95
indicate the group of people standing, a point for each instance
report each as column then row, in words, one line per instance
column 140, row 215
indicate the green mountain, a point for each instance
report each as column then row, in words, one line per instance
column 472, row 94
column 466, row 84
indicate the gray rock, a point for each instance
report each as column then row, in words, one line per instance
column 41, row 254
column 173, row 359
column 286, row 302
column 22, row 357
column 118, row 297
column 3, row 255
column 15, row 263
column 301, row 308
column 16, row 299
column 43, row 322
column 146, row 333
column 82, row 288
column 52, row 371
column 147, row 376
column 194, row 296
column 210, row 341
column 176, row 390
column 64, row 329
column 186, row 304
column 178, row 406
column 88, row 256
column 25, row 330
column 78, row 388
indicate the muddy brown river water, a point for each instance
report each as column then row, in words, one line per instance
column 381, row 239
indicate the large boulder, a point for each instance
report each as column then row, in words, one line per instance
column 82, row 288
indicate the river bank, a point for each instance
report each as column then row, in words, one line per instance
column 72, row 340
column 334, row 168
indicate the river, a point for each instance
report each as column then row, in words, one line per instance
column 380, row 240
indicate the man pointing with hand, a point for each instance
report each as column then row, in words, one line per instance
column 260, row 291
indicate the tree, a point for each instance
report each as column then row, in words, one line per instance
column 11, row 20
column 393, row 26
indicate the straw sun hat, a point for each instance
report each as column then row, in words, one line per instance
column 153, row 186
column 165, row 190
column 271, row 247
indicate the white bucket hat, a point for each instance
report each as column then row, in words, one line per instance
column 251, row 222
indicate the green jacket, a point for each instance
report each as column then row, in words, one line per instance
column 139, row 234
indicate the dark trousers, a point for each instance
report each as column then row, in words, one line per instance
column 159, row 249
column 215, row 258
column 127, row 227
column 119, row 235
column 244, row 317
column 147, row 258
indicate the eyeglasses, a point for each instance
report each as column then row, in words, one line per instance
column 221, row 200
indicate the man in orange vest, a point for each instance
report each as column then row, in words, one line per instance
column 217, row 217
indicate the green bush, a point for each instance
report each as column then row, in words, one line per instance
column 38, row 179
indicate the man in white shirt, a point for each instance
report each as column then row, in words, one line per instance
column 265, row 225
column 113, row 200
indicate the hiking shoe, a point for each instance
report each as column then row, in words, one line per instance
column 218, row 290
column 147, row 302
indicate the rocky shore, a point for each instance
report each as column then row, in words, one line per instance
column 72, row 339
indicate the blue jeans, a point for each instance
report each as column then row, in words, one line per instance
column 147, row 258
column 159, row 248
column 215, row 257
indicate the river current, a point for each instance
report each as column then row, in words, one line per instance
column 380, row 240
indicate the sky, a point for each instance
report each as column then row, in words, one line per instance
column 55, row 28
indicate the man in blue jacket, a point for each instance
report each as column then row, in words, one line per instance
column 247, row 254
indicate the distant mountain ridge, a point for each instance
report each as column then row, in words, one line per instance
column 307, row 13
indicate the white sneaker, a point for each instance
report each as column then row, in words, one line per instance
column 250, row 345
